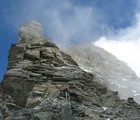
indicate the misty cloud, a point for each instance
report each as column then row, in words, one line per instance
column 70, row 21
column 75, row 21
column 125, row 46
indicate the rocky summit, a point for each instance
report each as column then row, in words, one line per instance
column 44, row 83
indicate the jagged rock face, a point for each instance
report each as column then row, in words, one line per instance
column 107, row 69
column 44, row 83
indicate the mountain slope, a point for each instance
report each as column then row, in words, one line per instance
column 106, row 67
column 44, row 83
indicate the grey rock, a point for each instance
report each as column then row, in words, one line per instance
column 50, row 44
column 107, row 69
column 130, row 100
column 43, row 82
column 32, row 55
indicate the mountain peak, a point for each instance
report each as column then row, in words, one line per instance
column 44, row 83
column 31, row 33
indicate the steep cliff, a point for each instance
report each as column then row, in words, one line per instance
column 44, row 83
column 116, row 74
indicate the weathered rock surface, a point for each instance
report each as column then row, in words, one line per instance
column 107, row 69
column 44, row 83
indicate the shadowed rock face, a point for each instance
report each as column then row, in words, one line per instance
column 44, row 83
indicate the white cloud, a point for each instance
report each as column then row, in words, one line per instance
column 66, row 23
column 70, row 23
column 125, row 46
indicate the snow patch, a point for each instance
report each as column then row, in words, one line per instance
column 105, row 108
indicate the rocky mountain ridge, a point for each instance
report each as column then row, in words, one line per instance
column 44, row 83
column 116, row 74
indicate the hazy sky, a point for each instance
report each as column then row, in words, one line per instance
column 110, row 22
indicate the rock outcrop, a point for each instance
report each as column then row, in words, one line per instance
column 44, row 83
column 107, row 69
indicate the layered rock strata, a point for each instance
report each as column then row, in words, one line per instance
column 44, row 83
